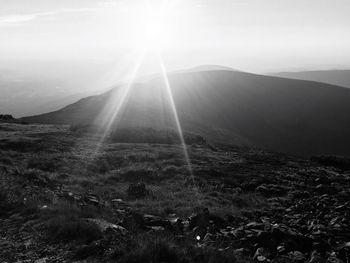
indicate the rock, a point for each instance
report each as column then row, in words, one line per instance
column 255, row 225
column 151, row 220
column 157, row 228
column 297, row 256
column 261, row 255
column 281, row 249
column 93, row 200
column 117, row 202
column 316, row 257
column 104, row 226
column 334, row 259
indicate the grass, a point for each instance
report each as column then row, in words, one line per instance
column 23, row 145
column 4, row 204
column 49, row 163
column 157, row 248
column 67, row 222
column 67, row 228
column 153, row 249
column 68, row 161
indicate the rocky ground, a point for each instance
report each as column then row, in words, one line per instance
column 68, row 198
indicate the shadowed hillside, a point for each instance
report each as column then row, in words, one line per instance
column 286, row 115
column 334, row 77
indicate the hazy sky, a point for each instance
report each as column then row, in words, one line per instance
column 253, row 35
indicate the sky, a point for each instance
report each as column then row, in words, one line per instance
column 253, row 35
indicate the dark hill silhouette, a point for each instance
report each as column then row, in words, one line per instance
column 334, row 77
column 279, row 114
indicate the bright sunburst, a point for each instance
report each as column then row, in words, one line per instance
column 153, row 25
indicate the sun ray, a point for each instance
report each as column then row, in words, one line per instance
column 119, row 102
column 178, row 125
column 112, row 113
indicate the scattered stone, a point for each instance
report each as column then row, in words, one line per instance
column 104, row 225
column 42, row 260
column 297, row 256
column 92, row 200
column 261, row 255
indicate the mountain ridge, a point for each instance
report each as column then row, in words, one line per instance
column 334, row 77
column 294, row 116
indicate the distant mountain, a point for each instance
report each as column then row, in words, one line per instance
column 279, row 114
column 335, row 77
column 33, row 87
column 209, row 68
column 34, row 96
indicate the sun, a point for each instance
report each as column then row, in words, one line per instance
column 155, row 36
column 154, row 27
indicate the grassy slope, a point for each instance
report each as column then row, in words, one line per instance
column 41, row 165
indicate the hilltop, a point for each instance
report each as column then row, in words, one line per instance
column 292, row 116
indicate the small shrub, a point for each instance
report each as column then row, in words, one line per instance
column 6, row 117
